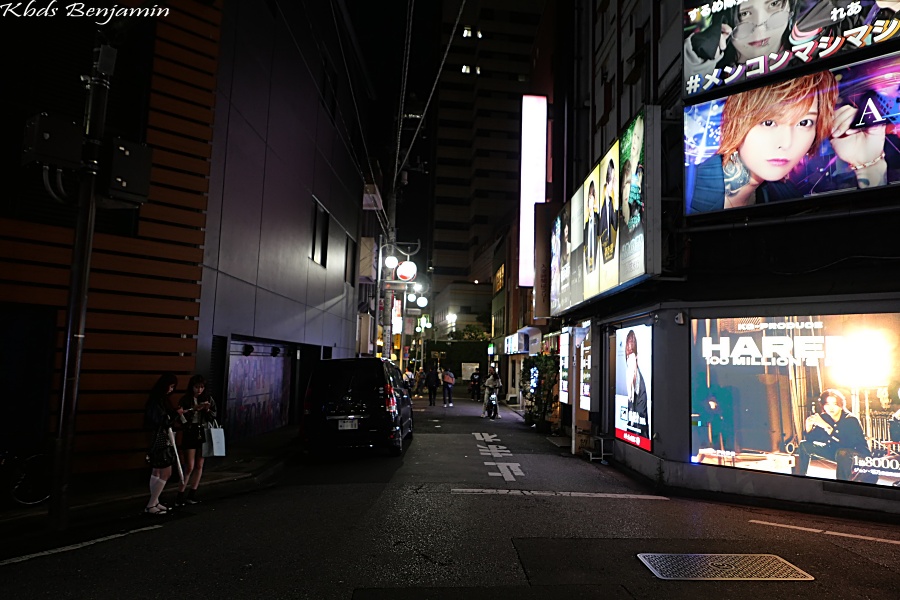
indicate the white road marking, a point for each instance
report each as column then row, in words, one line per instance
column 494, row 450
column 19, row 559
column 508, row 471
column 486, row 437
column 552, row 493
column 809, row 529
column 825, row 532
column 862, row 537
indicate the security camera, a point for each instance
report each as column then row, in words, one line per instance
column 679, row 318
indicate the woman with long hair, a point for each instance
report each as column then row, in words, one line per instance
column 158, row 416
column 199, row 410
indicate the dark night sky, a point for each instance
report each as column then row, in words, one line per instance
column 381, row 32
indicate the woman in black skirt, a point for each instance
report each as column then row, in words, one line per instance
column 161, row 455
column 199, row 409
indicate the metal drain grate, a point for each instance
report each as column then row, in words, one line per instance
column 747, row 567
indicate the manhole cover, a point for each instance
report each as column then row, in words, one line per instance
column 748, row 567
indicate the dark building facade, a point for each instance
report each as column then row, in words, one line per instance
column 718, row 362
column 248, row 237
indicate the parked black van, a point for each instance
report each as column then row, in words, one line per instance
column 357, row 403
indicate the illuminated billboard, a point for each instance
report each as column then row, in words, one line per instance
column 727, row 42
column 584, row 401
column 811, row 395
column 564, row 367
column 634, row 359
column 814, row 134
column 600, row 237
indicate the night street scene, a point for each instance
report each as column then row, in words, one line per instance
column 483, row 299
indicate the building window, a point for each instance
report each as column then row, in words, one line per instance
column 320, row 234
column 498, row 278
column 350, row 262
column 467, row 32
column 466, row 69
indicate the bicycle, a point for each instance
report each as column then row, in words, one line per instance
column 26, row 481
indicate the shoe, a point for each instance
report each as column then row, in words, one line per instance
column 179, row 499
column 157, row 510
column 445, row 406
column 482, row 415
column 451, row 404
column 191, row 501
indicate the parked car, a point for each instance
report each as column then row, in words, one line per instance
column 357, row 403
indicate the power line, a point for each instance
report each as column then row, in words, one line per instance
column 380, row 213
column 403, row 79
column 433, row 88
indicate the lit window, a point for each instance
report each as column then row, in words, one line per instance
column 479, row 34
column 467, row 32
column 466, row 69
column 478, row 70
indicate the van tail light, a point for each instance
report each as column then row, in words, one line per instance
column 390, row 402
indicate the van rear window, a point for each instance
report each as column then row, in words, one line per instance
column 342, row 376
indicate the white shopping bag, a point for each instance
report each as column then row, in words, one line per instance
column 214, row 444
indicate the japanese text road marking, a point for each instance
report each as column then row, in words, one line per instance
column 494, row 450
column 508, row 471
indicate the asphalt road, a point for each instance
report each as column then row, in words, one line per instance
column 472, row 509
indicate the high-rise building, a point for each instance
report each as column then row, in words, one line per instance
column 477, row 146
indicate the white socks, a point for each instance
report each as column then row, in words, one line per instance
column 156, row 487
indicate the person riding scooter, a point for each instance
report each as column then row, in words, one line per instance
column 492, row 385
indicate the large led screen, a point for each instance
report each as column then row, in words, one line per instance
column 634, row 358
column 810, row 395
column 733, row 41
column 816, row 134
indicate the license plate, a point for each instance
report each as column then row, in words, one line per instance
column 347, row 424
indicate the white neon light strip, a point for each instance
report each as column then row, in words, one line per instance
column 533, row 180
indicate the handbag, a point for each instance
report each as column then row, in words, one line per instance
column 161, row 453
column 214, row 442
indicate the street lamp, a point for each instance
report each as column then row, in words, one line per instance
column 392, row 263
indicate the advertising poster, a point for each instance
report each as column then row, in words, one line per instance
column 556, row 243
column 590, row 249
column 733, row 41
column 633, row 212
column 564, row 367
column 575, row 291
column 634, row 360
column 809, row 395
column 814, row 134
column 584, row 402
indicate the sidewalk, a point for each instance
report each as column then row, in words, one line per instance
column 249, row 464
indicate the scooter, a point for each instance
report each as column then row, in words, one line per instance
column 492, row 405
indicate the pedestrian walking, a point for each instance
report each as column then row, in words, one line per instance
column 420, row 381
column 449, row 379
column 432, row 381
column 199, row 409
column 161, row 455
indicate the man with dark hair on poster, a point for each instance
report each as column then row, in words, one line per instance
column 834, row 434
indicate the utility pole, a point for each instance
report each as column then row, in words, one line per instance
column 97, row 88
